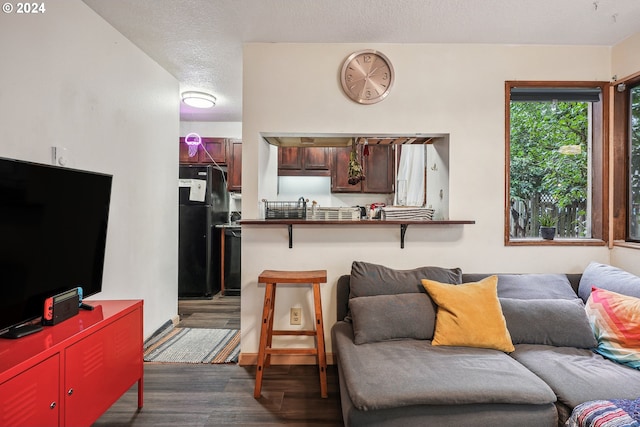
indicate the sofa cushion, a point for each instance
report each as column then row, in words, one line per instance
column 578, row 375
column 469, row 315
column 372, row 279
column 388, row 317
column 531, row 286
column 610, row 278
column 392, row 374
column 561, row 323
column 615, row 319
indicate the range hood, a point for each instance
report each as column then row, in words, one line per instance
column 347, row 140
column 309, row 141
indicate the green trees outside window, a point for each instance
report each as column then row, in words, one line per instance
column 550, row 148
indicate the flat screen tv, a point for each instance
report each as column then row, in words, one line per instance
column 53, row 230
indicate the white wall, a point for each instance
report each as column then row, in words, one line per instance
column 625, row 58
column 212, row 129
column 453, row 89
column 626, row 62
column 71, row 80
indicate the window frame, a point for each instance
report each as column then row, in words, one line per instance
column 599, row 166
column 621, row 145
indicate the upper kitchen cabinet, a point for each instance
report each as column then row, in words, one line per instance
column 304, row 161
column 234, row 171
column 184, row 153
column 378, row 168
column 215, row 147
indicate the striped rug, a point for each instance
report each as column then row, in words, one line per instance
column 195, row 345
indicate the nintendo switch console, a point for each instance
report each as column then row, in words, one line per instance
column 61, row 307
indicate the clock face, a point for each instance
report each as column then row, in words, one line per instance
column 367, row 76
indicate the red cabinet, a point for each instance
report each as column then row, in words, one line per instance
column 31, row 398
column 100, row 368
column 71, row 373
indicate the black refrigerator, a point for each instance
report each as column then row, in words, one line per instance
column 203, row 203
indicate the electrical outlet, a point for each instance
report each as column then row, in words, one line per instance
column 295, row 317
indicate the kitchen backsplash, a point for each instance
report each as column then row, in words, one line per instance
column 318, row 188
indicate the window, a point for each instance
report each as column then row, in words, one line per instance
column 555, row 152
column 633, row 207
column 626, row 160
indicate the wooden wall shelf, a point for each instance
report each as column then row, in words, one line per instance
column 376, row 222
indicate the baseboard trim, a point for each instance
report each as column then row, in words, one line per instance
column 248, row 359
column 175, row 320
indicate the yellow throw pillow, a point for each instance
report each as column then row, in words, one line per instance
column 469, row 315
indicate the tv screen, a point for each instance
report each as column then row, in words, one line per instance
column 53, row 228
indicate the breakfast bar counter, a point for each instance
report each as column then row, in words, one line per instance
column 404, row 224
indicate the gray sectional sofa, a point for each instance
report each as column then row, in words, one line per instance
column 391, row 374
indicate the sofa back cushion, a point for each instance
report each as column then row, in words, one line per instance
column 388, row 317
column 560, row 322
column 530, row 286
column 610, row 278
column 369, row 279
column 384, row 318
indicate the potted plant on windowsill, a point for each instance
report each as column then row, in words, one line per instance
column 547, row 226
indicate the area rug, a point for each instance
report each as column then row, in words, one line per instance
column 195, row 345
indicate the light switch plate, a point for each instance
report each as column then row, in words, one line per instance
column 59, row 156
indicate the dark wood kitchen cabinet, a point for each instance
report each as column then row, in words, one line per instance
column 216, row 147
column 184, row 153
column 304, row 161
column 234, row 171
column 378, row 168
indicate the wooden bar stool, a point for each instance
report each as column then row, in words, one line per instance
column 271, row 278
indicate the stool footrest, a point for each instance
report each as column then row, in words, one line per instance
column 296, row 333
column 301, row 351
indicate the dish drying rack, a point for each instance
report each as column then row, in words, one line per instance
column 285, row 210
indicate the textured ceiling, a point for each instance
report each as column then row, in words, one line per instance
column 200, row 41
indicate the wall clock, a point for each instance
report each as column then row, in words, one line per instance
column 367, row 76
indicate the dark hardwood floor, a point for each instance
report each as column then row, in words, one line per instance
column 222, row 395
column 219, row 312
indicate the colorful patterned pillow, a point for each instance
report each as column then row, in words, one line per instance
column 615, row 319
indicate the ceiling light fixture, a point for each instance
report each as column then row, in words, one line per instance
column 198, row 99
